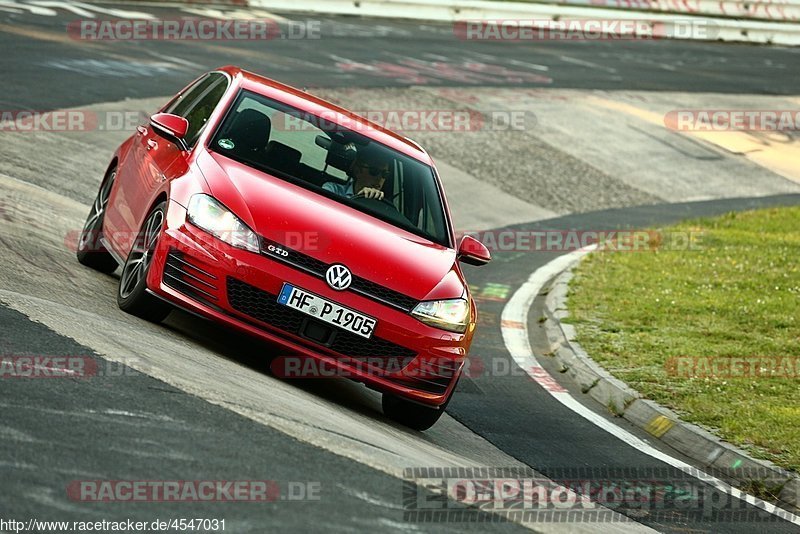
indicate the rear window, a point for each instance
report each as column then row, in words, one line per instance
column 331, row 160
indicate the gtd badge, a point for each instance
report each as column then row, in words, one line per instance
column 277, row 250
column 338, row 277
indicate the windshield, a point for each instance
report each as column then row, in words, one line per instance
column 333, row 161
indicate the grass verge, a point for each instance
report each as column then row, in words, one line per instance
column 712, row 333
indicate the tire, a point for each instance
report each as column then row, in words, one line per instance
column 410, row 414
column 90, row 251
column 132, row 296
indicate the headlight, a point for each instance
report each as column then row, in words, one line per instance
column 451, row 314
column 208, row 214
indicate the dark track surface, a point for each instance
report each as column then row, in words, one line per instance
column 536, row 428
column 129, row 426
column 45, row 69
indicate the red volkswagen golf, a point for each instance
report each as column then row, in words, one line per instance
column 259, row 206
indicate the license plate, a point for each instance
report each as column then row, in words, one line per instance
column 327, row 311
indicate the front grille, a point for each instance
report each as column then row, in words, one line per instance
column 184, row 275
column 318, row 268
column 264, row 307
column 382, row 294
column 294, row 258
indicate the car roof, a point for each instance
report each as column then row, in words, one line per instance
column 318, row 106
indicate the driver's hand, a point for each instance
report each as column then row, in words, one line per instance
column 371, row 192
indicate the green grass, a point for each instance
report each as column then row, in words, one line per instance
column 738, row 296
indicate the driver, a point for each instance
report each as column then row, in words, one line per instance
column 366, row 178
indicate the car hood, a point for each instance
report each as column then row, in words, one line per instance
column 331, row 232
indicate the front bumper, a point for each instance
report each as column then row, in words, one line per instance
column 239, row 288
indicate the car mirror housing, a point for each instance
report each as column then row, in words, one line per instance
column 473, row 252
column 172, row 125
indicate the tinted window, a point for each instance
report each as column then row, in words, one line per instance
column 197, row 104
column 323, row 156
column 180, row 104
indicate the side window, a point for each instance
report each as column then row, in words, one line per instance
column 198, row 103
column 181, row 103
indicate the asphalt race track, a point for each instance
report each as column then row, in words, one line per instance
column 188, row 400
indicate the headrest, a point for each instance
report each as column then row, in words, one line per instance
column 250, row 130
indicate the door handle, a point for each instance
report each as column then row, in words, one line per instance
column 151, row 144
column 142, row 130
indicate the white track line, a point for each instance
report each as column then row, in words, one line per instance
column 35, row 10
column 514, row 325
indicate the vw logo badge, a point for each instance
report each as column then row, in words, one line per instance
column 338, row 277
